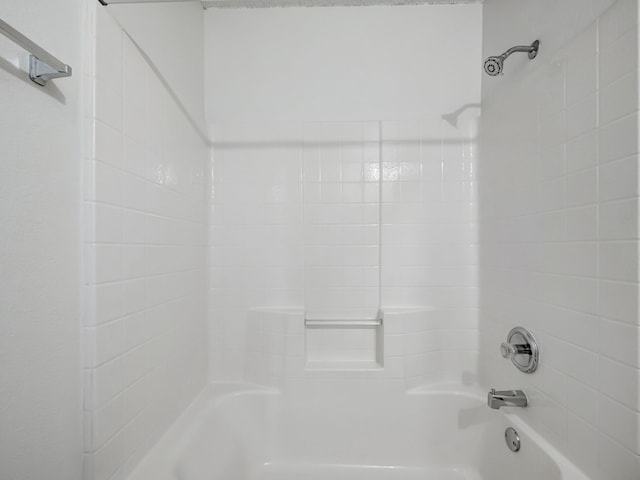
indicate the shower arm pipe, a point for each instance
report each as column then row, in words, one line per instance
column 530, row 49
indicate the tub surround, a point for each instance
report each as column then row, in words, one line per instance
column 558, row 210
column 144, row 252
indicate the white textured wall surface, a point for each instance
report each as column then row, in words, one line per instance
column 144, row 254
column 374, row 63
column 40, row 176
column 558, row 216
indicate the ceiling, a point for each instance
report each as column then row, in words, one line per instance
column 321, row 3
column 296, row 3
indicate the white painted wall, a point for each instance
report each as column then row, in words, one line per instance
column 40, row 175
column 340, row 63
column 171, row 35
column 558, row 216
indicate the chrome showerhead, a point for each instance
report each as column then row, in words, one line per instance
column 493, row 66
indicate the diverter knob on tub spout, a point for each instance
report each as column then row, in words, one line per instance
column 522, row 349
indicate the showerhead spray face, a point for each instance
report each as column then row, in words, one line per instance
column 493, row 66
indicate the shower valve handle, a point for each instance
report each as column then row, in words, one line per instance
column 510, row 350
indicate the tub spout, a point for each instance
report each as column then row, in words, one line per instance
column 506, row 398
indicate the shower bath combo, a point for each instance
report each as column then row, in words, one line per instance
column 262, row 431
column 318, row 417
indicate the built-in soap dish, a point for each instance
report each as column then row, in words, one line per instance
column 343, row 342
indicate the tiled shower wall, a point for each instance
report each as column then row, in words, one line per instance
column 558, row 211
column 416, row 344
column 255, row 225
column 144, row 253
column 340, row 174
column 339, row 219
column 344, row 172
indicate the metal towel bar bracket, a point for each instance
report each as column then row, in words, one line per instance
column 42, row 65
column 41, row 72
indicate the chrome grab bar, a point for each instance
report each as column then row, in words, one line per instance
column 42, row 65
column 338, row 321
column 343, row 323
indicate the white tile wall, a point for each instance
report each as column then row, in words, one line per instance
column 341, row 215
column 144, row 254
column 334, row 213
column 558, row 209
column 417, row 345
column 256, row 253
column 429, row 228
column 336, row 219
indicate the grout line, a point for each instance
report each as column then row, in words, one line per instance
column 380, row 219
column 597, row 232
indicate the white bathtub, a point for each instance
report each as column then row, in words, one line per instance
column 348, row 430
